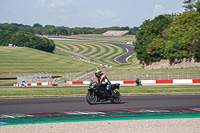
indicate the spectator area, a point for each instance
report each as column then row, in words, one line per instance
column 115, row 33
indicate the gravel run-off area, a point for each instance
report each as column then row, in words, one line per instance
column 128, row 126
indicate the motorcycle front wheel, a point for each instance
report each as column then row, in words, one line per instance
column 116, row 98
column 91, row 98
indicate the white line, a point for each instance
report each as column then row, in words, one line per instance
column 129, row 57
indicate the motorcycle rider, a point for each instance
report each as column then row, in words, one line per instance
column 54, row 83
column 138, row 82
column 103, row 81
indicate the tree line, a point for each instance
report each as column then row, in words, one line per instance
column 61, row 30
column 25, row 35
column 175, row 36
column 25, row 39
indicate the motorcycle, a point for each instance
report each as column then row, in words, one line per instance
column 96, row 94
column 138, row 84
column 54, row 84
column 23, row 84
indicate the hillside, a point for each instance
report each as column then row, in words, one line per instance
column 19, row 60
column 103, row 53
column 129, row 38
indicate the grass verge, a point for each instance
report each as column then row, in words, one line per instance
column 12, row 81
column 33, row 92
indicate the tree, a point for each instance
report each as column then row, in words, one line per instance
column 4, row 37
column 191, row 5
column 195, row 46
column 25, row 39
column 37, row 25
column 149, row 31
column 197, row 6
column 181, row 35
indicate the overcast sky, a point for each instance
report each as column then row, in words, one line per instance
column 85, row 13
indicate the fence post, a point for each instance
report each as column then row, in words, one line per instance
column 40, row 77
column 47, row 77
column 141, row 73
column 128, row 74
column 197, row 76
column 64, row 77
column 35, row 77
column 182, row 72
column 153, row 73
column 70, row 76
column 167, row 73
column 50, row 77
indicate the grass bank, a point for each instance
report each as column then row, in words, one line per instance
column 103, row 53
column 22, row 60
column 130, row 38
column 33, row 92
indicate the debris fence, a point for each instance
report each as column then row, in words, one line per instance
column 114, row 75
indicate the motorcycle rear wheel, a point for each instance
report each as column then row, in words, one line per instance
column 117, row 98
column 91, row 99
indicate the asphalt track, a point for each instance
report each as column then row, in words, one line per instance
column 70, row 104
column 124, row 58
column 120, row 59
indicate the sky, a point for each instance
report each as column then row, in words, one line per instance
column 86, row 13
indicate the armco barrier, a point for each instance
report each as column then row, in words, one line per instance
column 35, row 84
column 173, row 81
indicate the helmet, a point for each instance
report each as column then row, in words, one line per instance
column 98, row 73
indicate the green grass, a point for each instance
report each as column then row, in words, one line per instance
column 29, row 92
column 133, row 59
column 19, row 60
column 161, row 90
column 27, row 61
column 103, row 53
column 11, row 81
column 130, row 38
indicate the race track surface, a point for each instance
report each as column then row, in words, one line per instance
column 124, row 58
column 120, row 59
column 67, row 104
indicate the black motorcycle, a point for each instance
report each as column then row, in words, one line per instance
column 96, row 94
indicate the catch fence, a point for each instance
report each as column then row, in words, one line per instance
column 114, row 74
column 153, row 74
column 35, row 78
